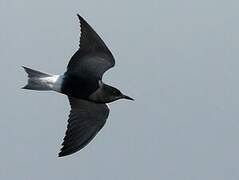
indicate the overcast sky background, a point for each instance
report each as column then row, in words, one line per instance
column 178, row 59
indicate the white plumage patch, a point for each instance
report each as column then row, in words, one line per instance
column 54, row 82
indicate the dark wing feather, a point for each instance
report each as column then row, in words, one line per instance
column 93, row 56
column 85, row 121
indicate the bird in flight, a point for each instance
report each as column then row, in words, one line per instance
column 82, row 83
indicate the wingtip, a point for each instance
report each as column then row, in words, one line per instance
column 79, row 16
column 62, row 154
column 59, row 155
column 81, row 19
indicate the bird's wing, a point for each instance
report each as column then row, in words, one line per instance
column 85, row 121
column 93, row 57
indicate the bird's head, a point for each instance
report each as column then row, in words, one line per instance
column 106, row 94
column 115, row 94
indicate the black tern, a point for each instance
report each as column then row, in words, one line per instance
column 82, row 83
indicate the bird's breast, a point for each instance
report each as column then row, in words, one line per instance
column 78, row 87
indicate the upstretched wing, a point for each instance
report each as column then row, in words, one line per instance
column 93, row 57
column 85, row 121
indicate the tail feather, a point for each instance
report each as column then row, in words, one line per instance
column 34, row 73
column 36, row 80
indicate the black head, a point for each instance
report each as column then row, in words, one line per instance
column 107, row 94
column 115, row 94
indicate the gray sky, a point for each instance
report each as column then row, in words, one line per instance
column 178, row 59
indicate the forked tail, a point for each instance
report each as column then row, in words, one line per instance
column 37, row 80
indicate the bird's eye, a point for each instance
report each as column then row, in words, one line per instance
column 115, row 92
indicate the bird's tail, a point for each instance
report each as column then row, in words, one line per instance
column 37, row 80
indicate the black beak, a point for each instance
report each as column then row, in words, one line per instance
column 127, row 97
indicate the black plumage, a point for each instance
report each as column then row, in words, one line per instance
column 85, row 121
column 82, row 83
